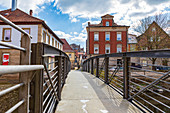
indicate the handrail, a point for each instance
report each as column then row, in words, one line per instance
column 13, row 25
column 136, row 89
column 11, row 46
column 10, row 69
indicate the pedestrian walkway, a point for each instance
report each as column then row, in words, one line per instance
column 84, row 93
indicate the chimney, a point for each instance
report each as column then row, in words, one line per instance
column 31, row 12
column 14, row 5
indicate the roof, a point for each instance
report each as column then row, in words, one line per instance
column 107, row 16
column 20, row 17
column 147, row 30
column 66, row 46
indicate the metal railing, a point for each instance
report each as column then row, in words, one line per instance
column 145, row 85
column 39, row 86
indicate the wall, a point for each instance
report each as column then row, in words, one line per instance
column 16, row 35
column 113, row 42
column 51, row 36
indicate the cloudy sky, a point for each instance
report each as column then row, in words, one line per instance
column 69, row 18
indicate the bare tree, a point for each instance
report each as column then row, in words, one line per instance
column 152, row 33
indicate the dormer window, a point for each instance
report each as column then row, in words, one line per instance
column 107, row 23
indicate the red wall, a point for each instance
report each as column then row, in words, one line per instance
column 113, row 42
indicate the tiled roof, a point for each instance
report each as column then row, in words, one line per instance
column 20, row 17
column 66, row 46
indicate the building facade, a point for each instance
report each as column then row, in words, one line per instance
column 69, row 51
column 132, row 43
column 106, row 37
column 36, row 27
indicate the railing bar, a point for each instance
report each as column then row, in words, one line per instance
column 151, row 91
column 159, row 94
column 10, row 89
column 117, row 87
column 53, row 69
column 44, row 111
column 152, row 98
column 10, row 69
column 148, row 86
column 46, row 90
column 52, row 62
column 118, row 84
column 149, row 64
column 148, row 77
column 145, row 70
column 51, row 82
column 55, row 83
column 54, row 79
column 153, row 84
column 51, row 105
column 12, row 46
column 47, row 97
column 151, row 104
column 54, row 74
column 15, row 106
column 143, row 105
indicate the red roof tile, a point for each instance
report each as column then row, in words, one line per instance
column 66, row 46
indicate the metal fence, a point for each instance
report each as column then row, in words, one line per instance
column 146, row 85
column 39, row 87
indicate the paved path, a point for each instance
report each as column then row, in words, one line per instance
column 84, row 93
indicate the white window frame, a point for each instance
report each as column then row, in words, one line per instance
column 96, row 47
column 107, row 34
column 107, row 23
column 119, row 49
column 96, row 36
column 107, row 47
column 119, row 38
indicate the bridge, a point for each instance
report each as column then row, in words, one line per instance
column 106, row 83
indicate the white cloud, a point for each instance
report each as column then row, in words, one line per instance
column 62, row 34
column 26, row 5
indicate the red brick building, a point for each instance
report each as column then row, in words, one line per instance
column 106, row 37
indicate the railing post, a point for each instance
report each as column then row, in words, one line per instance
column 88, row 66
column 106, row 69
column 92, row 66
column 59, row 69
column 126, row 74
column 37, row 82
column 25, row 76
column 97, row 67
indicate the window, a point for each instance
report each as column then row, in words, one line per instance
column 26, row 30
column 96, row 36
column 70, row 55
column 159, row 38
column 107, row 48
column 44, row 37
column 96, row 49
column 52, row 41
column 119, row 36
column 56, row 44
column 144, row 63
column 107, row 35
column 119, row 48
column 153, row 29
column 151, row 39
column 6, row 37
column 107, row 23
column 48, row 39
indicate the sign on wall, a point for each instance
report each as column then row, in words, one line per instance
column 5, row 60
